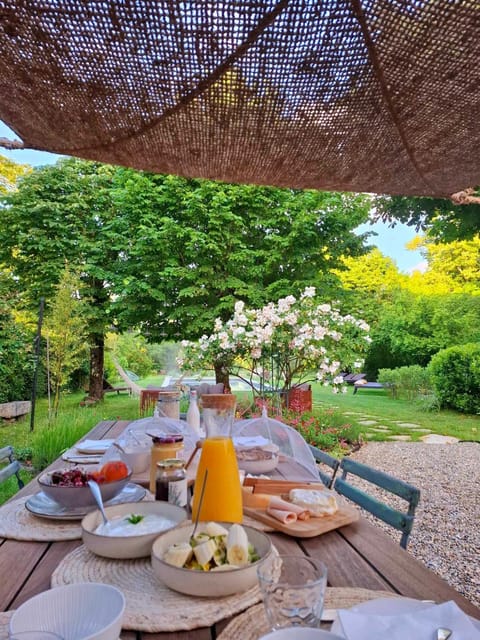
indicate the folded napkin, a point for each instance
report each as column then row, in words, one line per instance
column 419, row 624
column 94, row 446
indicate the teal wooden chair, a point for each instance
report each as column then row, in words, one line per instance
column 403, row 521
column 12, row 468
column 323, row 458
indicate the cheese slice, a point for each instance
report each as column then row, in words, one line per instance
column 319, row 503
column 255, row 500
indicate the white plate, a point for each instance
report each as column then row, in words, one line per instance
column 41, row 505
column 388, row 607
column 94, row 446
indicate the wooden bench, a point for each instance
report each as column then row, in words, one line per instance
column 367, row 385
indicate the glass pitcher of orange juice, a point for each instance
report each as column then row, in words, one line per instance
column 222, row 495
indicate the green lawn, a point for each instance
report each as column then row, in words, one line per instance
column 369, row 405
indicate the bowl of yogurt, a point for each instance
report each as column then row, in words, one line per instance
column 131, row 529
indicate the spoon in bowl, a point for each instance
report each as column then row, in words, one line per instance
column 95, row 489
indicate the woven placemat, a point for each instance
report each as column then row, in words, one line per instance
column 252, row 624
column 150, row 605
column 4, row 620
column 19, row 524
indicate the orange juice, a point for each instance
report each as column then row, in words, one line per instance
column 222, row 499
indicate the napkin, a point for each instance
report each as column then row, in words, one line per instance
column 94, row 446
column 415, row 625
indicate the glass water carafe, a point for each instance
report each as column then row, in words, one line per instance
column 222, row 496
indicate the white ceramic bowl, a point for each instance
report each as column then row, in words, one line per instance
column 205, row 583
column 71, row 497
column 257, row 460
column 123, row 547
column 83, row 611
column 305, row 633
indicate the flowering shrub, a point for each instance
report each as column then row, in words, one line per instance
column 325, row 430
column 282, row 344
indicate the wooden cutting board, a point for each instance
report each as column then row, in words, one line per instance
column 346, row 513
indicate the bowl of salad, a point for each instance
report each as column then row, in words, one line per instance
column 220, row 560
column 69, row 487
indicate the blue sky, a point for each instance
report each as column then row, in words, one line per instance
column 391, row 242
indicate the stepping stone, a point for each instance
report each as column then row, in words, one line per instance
column 380, row 429
column 399, row 438
column 367, row 423
column 422, row 430
column 408, row 425
column 434, row 438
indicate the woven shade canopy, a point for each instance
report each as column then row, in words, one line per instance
column 355, row 95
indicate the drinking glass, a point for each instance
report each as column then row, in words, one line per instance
column 293, row 589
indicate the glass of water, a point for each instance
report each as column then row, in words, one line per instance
column 293, row 589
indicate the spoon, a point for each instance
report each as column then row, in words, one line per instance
column 199, row 505
column 443, row 634
column 95, row 489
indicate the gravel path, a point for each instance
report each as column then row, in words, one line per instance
column 446, row 532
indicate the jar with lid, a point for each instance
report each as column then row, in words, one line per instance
column 165, row 445
column 171, row 482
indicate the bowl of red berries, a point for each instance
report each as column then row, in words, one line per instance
column 69, row 487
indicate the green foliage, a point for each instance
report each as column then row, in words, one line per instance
column 203, row 245
column 326, row 429
column 131, row 351
column 164, row 355
column 408, row 382
column 51, row 441
column 16, row 364
column 440, row 217
column 412, row 328
column 65, row 329
column 456, row 377
column 9, row 173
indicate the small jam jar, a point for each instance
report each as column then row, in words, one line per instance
column 171, row 482
column 165, row 445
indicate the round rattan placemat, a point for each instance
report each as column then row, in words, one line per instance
column 150, row 605
column 19, row 524
column 4, row 620
column 252, row 624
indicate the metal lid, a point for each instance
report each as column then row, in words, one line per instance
column 171, row 463
column 166, row 438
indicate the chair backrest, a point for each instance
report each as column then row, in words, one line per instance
column 322, row 457
column 13, row 468
column 403, row 521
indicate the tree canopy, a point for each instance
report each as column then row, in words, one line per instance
column 168, row 254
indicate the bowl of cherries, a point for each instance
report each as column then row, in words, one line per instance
column 69, row 487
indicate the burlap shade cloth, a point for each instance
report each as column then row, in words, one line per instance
column 342, row 95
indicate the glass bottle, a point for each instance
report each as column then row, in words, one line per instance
column 171, row 483
column 222, row 497
column 165, row 445
column 193, row 413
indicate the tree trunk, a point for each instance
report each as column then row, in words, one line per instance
column 221, row 375
column 95, row 384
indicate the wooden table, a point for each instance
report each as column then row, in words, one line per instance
column 359, row 555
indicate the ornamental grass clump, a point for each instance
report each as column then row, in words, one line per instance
column 283, row 344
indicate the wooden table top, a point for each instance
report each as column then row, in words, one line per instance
column 358, row 555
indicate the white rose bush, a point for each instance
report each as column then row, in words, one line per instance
column 282, row 345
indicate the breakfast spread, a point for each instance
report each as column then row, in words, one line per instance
column 303, row 509
column 214, row 548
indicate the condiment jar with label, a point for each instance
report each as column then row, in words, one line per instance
column 165, row 445
column 171, row 484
